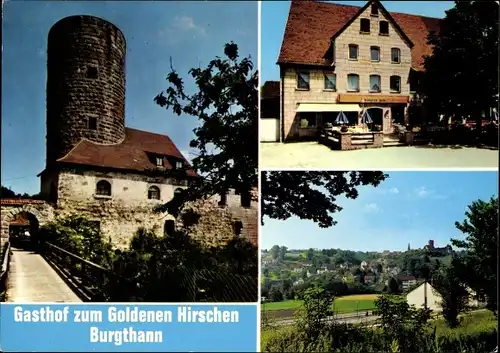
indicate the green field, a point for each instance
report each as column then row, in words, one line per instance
column 347, row 304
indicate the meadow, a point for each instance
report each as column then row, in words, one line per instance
column 341, row 305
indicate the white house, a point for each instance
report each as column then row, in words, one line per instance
column 417, row 297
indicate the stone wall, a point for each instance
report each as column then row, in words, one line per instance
column 40, row 210
column 129, row 208
column 364, row 67
column 85, row 81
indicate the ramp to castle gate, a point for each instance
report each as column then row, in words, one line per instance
column 32, row 280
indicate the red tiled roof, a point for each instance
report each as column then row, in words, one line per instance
column 131, row 154
column 20, row 202
column 311, row 25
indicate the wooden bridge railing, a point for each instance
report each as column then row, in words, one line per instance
column 4, row 271
column 86, row 276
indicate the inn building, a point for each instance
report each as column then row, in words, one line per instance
column 337, row 58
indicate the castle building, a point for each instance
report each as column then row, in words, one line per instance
column 338, row 58
column 98, row 167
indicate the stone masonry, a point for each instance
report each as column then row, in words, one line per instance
column 86, row 102
column 85, row 84
column 128, row 207
column 364, row 67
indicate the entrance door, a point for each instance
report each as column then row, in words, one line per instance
column 377, row 116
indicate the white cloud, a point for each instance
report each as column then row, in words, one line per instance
column 180, row 27
column 188, row 155
column 371, row 207
column 393, row 191
column 423, row 192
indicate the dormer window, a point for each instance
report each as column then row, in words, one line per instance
column 365, row 25
column 159, row 161
column 178, row 165
column 374, row 9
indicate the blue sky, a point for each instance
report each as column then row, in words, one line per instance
column 408, row 207
column 192, row 33
column 274, row 15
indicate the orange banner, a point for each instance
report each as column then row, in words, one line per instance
column 366, row 98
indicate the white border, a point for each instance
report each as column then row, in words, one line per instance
column 259, row 233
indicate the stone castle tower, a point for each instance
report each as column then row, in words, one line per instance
column 85, row 84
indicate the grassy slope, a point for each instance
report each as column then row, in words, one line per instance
column 476, row 321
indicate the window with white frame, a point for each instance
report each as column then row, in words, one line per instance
column 353, row 52
column 374, row 53
column 375, row 83
column 303, row 78
column 395, row 55
column 395, row 83
column 353, row 82
column 330, row 81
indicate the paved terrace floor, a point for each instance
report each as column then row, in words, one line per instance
column 32, row 280
column 312, row 155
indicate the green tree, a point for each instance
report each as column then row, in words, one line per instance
column 402, row 323
column 480, row 228
column 311, row 195
column 453, row 292
column 275, row 295
column 317, row 307
column 275, row 252
column 464, row 54
column 7, row 193
column 393, row 286
column 282, row 252
column 227, row 140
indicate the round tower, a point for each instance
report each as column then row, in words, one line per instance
column 85, row 84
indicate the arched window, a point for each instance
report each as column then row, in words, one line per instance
column 154, row 193
column 238, row 227
column 103, row 188
column 169, row 227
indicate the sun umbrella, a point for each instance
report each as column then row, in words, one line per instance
column 341, row 118
column 366, row 118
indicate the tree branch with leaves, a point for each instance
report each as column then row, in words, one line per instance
column 226, row 104
column 311, row 195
